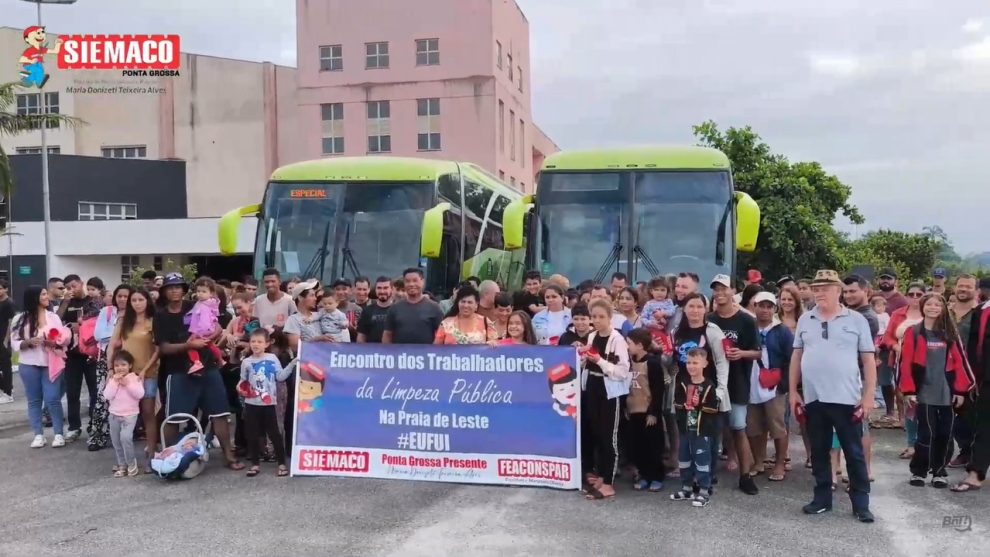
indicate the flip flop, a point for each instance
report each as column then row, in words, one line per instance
column 963, row 487
column 595, row 495
column 907, row 454
column 775, row 478
column 282, row 471
column 254, row 471
column 235, row 465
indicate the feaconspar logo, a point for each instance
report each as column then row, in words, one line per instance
column 134, row 55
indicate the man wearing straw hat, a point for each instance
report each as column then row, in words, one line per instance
column 830, row 344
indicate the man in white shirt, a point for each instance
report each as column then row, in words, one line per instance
column 274, row 306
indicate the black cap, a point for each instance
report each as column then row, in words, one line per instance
column 887, row 273
column 341, row 282
column 784, row 280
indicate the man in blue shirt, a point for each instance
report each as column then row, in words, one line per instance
column 830, row 345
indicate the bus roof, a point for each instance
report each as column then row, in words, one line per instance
column 654, row 157
column 370, row 168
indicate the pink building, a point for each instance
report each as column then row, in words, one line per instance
column 431, row 78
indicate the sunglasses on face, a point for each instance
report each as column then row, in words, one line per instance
column 824, row 330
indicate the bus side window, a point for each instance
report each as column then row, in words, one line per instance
column 449, row 186
column 476, row 199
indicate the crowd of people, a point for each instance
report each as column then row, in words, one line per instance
column 672, row 382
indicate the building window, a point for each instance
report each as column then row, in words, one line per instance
column 520, row 77
column 428, row 113
column 512, row 181
column 332, row 119
column 331, row 58
column 89, row 210
column 522, row 187
column 501, row 126
column 509, row 57
column 376, row 56
column 522, row 142
column 128, row 263
column 158, row 263
column 130, row 152
column 52, row 150
column 28, row 104
column 427, row 52
column 498, row 54
column 501, row 175
column 379, row 134
column 512, row 134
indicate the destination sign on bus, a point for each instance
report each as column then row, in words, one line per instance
column 308, row 194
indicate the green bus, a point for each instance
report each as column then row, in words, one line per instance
column 375, row 216
column 642, row 211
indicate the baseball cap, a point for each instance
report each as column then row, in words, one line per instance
column 784, row 280
column 175, row 279
column 724, row 280
column 32, row 29
column 754, row 276
column 298, row 289
column 938, row 273
column 764, row 297
column 341, row 282
column 888, row 273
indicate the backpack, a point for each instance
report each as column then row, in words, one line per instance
column 87, row 338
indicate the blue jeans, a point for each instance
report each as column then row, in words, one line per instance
column 695, row 460
column 38, row 388
column 822, row 419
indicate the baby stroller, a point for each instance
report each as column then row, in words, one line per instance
column 187, row 458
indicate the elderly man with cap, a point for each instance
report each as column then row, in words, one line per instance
column 888, row 289
column 187, row 393
column 767, row 411
column 831, row 346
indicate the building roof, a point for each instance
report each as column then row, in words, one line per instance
column 654, row 157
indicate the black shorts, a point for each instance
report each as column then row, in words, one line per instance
column 204, row 392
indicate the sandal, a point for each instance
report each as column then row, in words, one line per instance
column 907, row 454
column 120, row 473
column 253, row 471
column 776, row 477
column 282, row 471
column 963, row 487
column 235, row 465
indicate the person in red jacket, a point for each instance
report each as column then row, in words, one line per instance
column 978, row 350
column 934, row 378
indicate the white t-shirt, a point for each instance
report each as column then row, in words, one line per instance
column 271, row 313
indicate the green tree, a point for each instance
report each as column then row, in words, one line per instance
column 799, row 203
column 12, row 124
column 188, row 272
column 915, row 252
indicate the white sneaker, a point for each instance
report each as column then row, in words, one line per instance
column 39, row 442
column 58, row 441
column 5, row 398
column 72, row 435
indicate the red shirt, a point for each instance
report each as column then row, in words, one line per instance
column 35, row 54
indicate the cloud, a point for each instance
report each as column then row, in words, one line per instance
column 973, row 25
column 978, row 51
column 835, row 65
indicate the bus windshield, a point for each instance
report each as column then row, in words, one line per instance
column 680, row 218
column 649, row 223
column 327, row 231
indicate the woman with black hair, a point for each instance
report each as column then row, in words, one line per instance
column 106, row 321
column 37, row 336
column 553, row 320
column 134, row 332
column 463, row 324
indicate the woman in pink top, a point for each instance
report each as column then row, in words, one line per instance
column 124, row 392
column 464, row 325
column 519, row 330
column 31, row 336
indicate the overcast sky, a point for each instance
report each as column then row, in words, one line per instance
column 890, row 95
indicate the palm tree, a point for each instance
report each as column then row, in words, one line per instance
column 12, row 124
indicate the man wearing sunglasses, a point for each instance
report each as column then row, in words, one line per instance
column 831, row 344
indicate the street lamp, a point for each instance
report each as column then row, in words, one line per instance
column 45, row 203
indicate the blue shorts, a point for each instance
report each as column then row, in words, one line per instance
column 737, row 417
column 204, row 392
column 151, row 388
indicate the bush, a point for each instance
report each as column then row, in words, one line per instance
column 188, row 272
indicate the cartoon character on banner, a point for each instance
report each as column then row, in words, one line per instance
column 563, row 382
column 312, row 380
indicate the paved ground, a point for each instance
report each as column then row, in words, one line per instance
column 64, row 502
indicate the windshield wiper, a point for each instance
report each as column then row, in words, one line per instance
column 720, row 235
column 611, row 259
column 318, row 263
column 647, row 260
column 350, row 264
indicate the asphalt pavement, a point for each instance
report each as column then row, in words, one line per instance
column 64, row 502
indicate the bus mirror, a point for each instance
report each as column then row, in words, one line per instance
column 429, row 245
column 230, row 222
column 747, row 223
column 513, row 221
